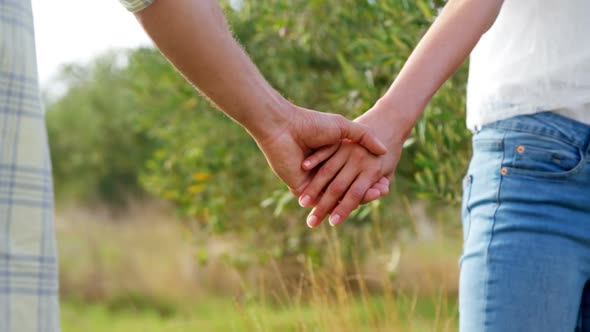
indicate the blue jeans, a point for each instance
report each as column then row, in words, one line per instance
column 526, row 225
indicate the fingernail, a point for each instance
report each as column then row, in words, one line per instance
column 307, row 163
column 334, row 220
column 311, row 221
column 304, row 201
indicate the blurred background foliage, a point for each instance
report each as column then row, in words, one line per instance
column 128, row 127
column 129, row 124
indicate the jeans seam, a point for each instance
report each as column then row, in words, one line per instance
column 467, row 207
column 488, row 254
column 540, row 132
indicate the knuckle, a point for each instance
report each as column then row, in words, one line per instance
column 377, row 174
column 296, row 192
column 337, row 188
column 344, row 209
column 374, row 172
column 356, row 194
column 373, row 176
column 365, row 131
column 339, row 117
column 359, row 154
column 328, row 170
column 342, row 123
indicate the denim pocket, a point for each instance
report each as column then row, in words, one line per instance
column 536, row 155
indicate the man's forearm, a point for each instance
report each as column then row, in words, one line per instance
column 441, row 51
column 194, row 36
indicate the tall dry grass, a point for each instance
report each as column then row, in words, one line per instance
column 144, row 257
column 381, row 293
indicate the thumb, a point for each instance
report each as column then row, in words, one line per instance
column 360, row 134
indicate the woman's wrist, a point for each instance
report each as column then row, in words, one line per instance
column 390, row 123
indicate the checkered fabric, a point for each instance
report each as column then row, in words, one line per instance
column 28, row 263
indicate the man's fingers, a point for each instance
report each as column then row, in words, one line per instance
column 371, row 195
column 321, row 179
column 319, row 156
column 378, row 190
column 333, row 193
column 383, row 189
column 360, row 134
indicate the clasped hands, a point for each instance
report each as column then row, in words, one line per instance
column 333, row 164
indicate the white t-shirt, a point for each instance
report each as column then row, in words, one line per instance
column 536, row 57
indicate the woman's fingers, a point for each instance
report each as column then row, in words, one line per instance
column 353, row 197
column 322, row 178
column 357, row 193
column 332, row 195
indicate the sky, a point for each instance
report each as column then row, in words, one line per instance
column 79, row 30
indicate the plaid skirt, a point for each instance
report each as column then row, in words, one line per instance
column 28, row 262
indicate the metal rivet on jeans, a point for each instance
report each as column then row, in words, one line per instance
column 520, row 149
column 504, row 171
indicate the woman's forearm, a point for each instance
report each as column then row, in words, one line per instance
column 439, row 54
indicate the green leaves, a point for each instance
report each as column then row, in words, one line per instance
column 426, row 7
column 141, row 126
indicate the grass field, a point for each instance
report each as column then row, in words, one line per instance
column 138, row 272
column 409, row 314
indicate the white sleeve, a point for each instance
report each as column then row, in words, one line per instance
column 136, row 5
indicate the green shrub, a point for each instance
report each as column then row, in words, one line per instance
column 128, row 126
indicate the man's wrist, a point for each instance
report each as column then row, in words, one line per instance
column 270, row 119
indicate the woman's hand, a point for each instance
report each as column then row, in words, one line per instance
column 350, row 175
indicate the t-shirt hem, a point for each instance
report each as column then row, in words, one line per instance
column 480, row 117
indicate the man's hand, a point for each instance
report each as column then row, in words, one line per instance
column 288, row 145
